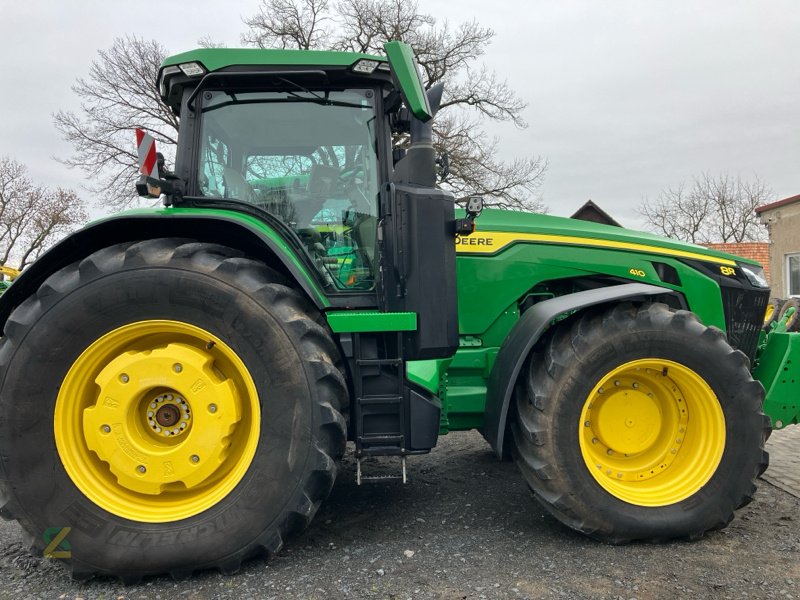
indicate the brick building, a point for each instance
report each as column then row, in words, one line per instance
column 754, row 250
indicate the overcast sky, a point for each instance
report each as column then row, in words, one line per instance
column 624, row 98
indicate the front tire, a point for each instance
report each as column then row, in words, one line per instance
column 772, row 313
column 177, row 405
column 793, row 323
column 640, row 423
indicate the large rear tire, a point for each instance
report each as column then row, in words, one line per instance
column 640, row 423
column 176, row 405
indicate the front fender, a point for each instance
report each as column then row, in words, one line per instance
column 229, row 228
column 527, row 331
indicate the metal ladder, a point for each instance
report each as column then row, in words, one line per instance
column 380, row 418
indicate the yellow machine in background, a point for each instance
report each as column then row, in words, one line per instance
column 7, row 276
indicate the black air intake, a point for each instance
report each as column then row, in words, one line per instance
column 744, row 317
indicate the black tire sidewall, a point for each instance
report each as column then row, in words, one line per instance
column 46, row 496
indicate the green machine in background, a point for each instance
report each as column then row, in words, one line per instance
column 179, row 383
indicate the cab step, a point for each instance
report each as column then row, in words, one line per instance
column 360, row 478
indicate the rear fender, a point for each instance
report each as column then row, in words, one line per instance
column 224, row 228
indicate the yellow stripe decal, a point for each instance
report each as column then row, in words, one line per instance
column 489, row 242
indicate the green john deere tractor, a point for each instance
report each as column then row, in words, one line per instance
column 178, row 384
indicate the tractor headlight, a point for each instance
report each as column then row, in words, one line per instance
column 192, row 69
column 365, row 66
column 755, row 275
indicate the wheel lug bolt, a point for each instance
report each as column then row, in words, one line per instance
column 587, row 424
column 106, row 428
column 195, row 458
column 600, row 391
column 177, row 367
column 635, row 385
column 609, row 452
column 141, row 469
column 212, row 408
column 124, row 378
column 595, row 440
column 616, row 382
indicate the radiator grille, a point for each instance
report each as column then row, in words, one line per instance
column 744, row 317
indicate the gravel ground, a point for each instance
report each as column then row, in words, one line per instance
column 465, row 527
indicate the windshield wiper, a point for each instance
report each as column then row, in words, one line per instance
column 301, row 88
column 294, row 98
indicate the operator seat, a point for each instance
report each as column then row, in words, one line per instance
column 236, row 185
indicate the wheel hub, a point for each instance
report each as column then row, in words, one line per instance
column 168, row 415
column 147, row 459
column 634, row 430
column 628, row 422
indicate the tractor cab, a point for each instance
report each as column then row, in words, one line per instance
column 302, row 141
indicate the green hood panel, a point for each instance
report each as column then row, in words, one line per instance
column 548, row 229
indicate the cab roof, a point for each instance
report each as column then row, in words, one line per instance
column 214, row 59
column 188, row 68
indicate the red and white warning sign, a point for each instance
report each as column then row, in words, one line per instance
column 146, row 147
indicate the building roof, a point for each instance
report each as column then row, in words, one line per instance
column 591, row 212
column 778, row 204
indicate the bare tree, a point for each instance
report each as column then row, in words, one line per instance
column 31, row 216
column 717, row 208
column 445, row 54
column 474, row 167
column 288, row 24
column 207, row 41
column 118, row 96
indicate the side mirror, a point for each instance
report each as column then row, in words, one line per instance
column 443, row 162
column 406, row 75
column 148, row 187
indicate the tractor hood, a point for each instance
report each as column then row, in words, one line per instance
column 497, row 229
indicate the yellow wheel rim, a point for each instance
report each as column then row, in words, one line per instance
column 652, row 432
column 157, row 421
column 768, row 313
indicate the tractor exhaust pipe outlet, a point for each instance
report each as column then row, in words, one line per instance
column 418, row 167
